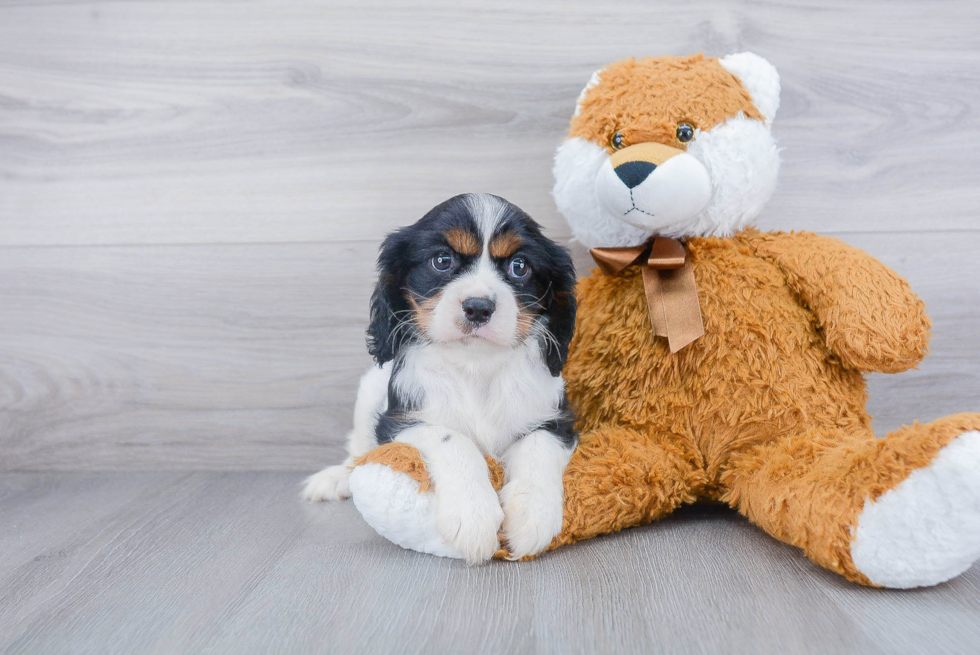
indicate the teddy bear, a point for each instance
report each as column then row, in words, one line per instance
column 715, row 362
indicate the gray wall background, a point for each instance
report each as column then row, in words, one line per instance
column 192, row 194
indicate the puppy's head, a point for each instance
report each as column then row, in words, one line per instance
column 474, row 271
column 671, row 146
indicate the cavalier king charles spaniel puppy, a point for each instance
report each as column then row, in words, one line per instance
column 470, row 325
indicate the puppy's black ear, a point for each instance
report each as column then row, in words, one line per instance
column 388, row 302
column 560, row 308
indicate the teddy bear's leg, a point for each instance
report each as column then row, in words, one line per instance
column 393, row 492
column 901, row 512
column 620, row 477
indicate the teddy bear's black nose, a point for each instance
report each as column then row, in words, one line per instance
column 633, row 173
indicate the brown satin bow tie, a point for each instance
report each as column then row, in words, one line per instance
column 668, row 281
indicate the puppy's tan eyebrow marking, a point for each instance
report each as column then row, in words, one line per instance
column 505, row 245
column 462, row 241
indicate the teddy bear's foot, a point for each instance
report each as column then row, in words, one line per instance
column 392, row 503
column 927, row 529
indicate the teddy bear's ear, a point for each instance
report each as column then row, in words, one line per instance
column 759, row 78
column 594, row 80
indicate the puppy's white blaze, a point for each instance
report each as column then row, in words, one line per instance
column 484, row 281
column 448, row 321
column 671, row 196
column 467, row 508
column 532, row 496
column 487, row 210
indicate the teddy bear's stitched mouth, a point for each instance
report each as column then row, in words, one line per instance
column 635, row 208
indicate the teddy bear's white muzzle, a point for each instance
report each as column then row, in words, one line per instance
column 654, row 197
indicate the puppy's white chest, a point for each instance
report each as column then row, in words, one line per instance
column 493, row 399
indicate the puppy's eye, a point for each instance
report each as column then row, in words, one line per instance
column 685, row 132
column 442, row 262
column 617, row 141
column 519, row 268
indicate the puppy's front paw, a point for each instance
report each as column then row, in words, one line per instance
column 469, row 520
column 532, row 516
column 328, row 484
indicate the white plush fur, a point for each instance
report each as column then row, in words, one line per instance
column 576, row 170
column 468, row 512
column 739, row 157
column 743, row 163
column 672, row 195
column 390, row 503
column 927, row 529
column 533, row 493
column 759, row 77
column 593, row 81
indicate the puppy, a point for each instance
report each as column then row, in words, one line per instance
column 470, row 325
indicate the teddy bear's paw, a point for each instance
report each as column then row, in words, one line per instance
column 469, row 519
column 391, row 502
column 927, row 529
column 532, row 517
column 328, row 484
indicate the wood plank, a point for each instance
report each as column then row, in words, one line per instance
column 247, row 356
column 39, row 510
column 190, row 357
column 234, row 562
column 160, row 567
column 131, row 123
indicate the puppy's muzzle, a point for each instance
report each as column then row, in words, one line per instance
column 478, row 310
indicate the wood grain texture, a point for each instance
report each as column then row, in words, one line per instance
column 191, row 194
column 232, row 562
column 245, row 356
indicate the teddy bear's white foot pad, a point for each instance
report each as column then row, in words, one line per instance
column 927, row 529
column 390, row 503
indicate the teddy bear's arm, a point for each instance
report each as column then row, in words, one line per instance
column 869, row 315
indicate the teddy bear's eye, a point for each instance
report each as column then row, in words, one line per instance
column 685, row 132
column 617, row 141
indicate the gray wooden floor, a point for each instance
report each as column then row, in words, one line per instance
column 231, row 562
column 191, row 198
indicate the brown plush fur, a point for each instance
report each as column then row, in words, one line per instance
column 646, row 99
column 406, row 459
column 766, row 412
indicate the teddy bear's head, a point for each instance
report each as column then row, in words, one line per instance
column 671, row 146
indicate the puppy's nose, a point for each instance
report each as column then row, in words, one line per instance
column 478, row 310
column 633, row 173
